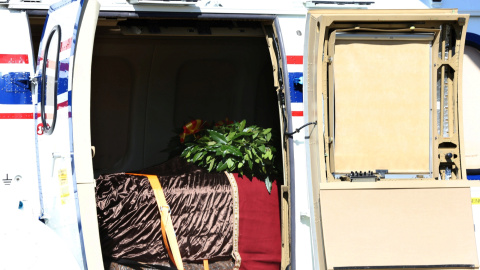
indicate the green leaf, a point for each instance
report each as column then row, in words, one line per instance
column 265, row 131
column 249, row 153
column 198, row 156
column 212, row 162
column 223, row 150
column 250, row 164
column 186, row 151
column 217, row 137
column 268, row 154
column 203, row 139
column 241, row 126
column 219, row 152
column 262, row 148
column 255, row 153
column 268, row 184
column 268, row 137
column 230, row 163
column 232, row 150
column 222, row 166
column 239, row 134
column 231, row 136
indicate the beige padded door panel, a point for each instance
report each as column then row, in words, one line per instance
column 471, row 114
column 393, row 227
column 382, row 106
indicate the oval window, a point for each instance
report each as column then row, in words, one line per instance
column 50, row 70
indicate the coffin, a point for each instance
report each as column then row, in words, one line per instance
column 231, row 221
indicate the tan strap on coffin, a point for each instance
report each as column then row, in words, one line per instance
column 236, row 220
column 168, row 232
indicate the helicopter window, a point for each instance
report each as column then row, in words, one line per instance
column 49, row 82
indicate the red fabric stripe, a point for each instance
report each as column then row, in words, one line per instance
column 297, row 113
column 13, row 59
column 16, row 115
column 260, row 238
column 295, row 60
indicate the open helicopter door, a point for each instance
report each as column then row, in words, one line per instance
column 17, row 162
column 65, row 55
column 387, row 175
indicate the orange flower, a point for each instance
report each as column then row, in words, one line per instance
column 192, row 127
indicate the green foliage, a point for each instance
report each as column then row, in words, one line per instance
column 234, row 148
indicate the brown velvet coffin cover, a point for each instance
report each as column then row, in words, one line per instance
column 201, row 208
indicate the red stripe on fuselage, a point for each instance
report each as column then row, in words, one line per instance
column 295, row 60
column 30, row 115
column 16, row 115
column 13, row 59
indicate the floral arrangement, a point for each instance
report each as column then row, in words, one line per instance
column 231, row 146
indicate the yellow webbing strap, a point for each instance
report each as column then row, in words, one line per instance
column 236, row 220
column 168, row 231
column 205, row 265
